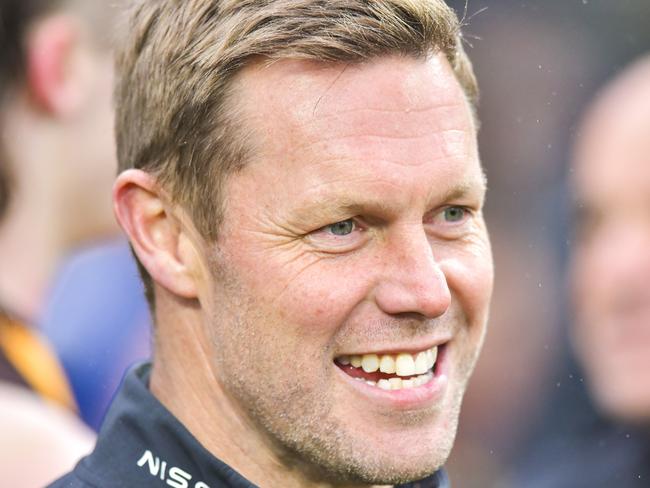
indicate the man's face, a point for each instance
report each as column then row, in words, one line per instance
column 354, row 235
column 611, row 261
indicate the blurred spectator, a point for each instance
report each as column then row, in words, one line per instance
column 39, row 440
column 59, row 166
column 57, row 143
column 610, row 277
column 538, row 64
column 611, row 262
column 56, row 171
column 98, row 322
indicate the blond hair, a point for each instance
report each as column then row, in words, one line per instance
column 177, row 60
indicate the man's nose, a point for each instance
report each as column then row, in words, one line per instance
column 412, row 281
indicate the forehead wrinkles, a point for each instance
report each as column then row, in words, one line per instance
column 297, row 101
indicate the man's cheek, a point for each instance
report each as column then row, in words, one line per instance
column 470, row 277
column 319, row 304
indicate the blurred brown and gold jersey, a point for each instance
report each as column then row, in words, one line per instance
column 27, row 360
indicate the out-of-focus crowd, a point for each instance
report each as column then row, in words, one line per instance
column 561, row 394
column 72, row 314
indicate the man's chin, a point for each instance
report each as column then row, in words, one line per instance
column 386, row 458
column 382, row 472
column 403, row 446
column 397, row 461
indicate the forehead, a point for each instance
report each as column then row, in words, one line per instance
column 406, row 111
column 303, row 92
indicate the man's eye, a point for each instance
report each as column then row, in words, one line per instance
column 454, row 214
column 343, row 228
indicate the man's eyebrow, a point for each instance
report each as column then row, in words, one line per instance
column 347, row 204
column 466, row 188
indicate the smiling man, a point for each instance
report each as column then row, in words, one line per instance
column 302, row 188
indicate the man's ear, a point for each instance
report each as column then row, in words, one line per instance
column 163, row 243
column 58, row 67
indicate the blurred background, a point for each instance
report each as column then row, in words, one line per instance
column 539, row 63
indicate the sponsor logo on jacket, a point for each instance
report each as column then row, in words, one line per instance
column 172, row 475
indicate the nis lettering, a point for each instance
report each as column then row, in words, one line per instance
column 174, row 476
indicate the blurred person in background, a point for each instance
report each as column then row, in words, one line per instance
column 539, row 64
column 56, row 139
column 58, row 273
column 610, row 284
column 98, row 322
column 611, row 259
column 56, row 169
column 611, row 278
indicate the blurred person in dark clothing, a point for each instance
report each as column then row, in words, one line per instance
column 56, row 141
column 611, row 260
column 59, row 274
column 57, row 160
column 608, row 443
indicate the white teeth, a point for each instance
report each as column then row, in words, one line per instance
column 383, row 384
column 418, row 368
column 404, row 365
column 370, row 363
column 387, row 364
column 432, row 356
column 400, row 384
column 421, row 366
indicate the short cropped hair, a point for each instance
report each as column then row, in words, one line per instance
column 175, row 117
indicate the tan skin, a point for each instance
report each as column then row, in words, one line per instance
column 356, row 228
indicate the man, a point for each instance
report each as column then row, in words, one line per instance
column 607, row 443
column 301, row 186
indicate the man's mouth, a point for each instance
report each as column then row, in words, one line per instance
column 391, row 371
